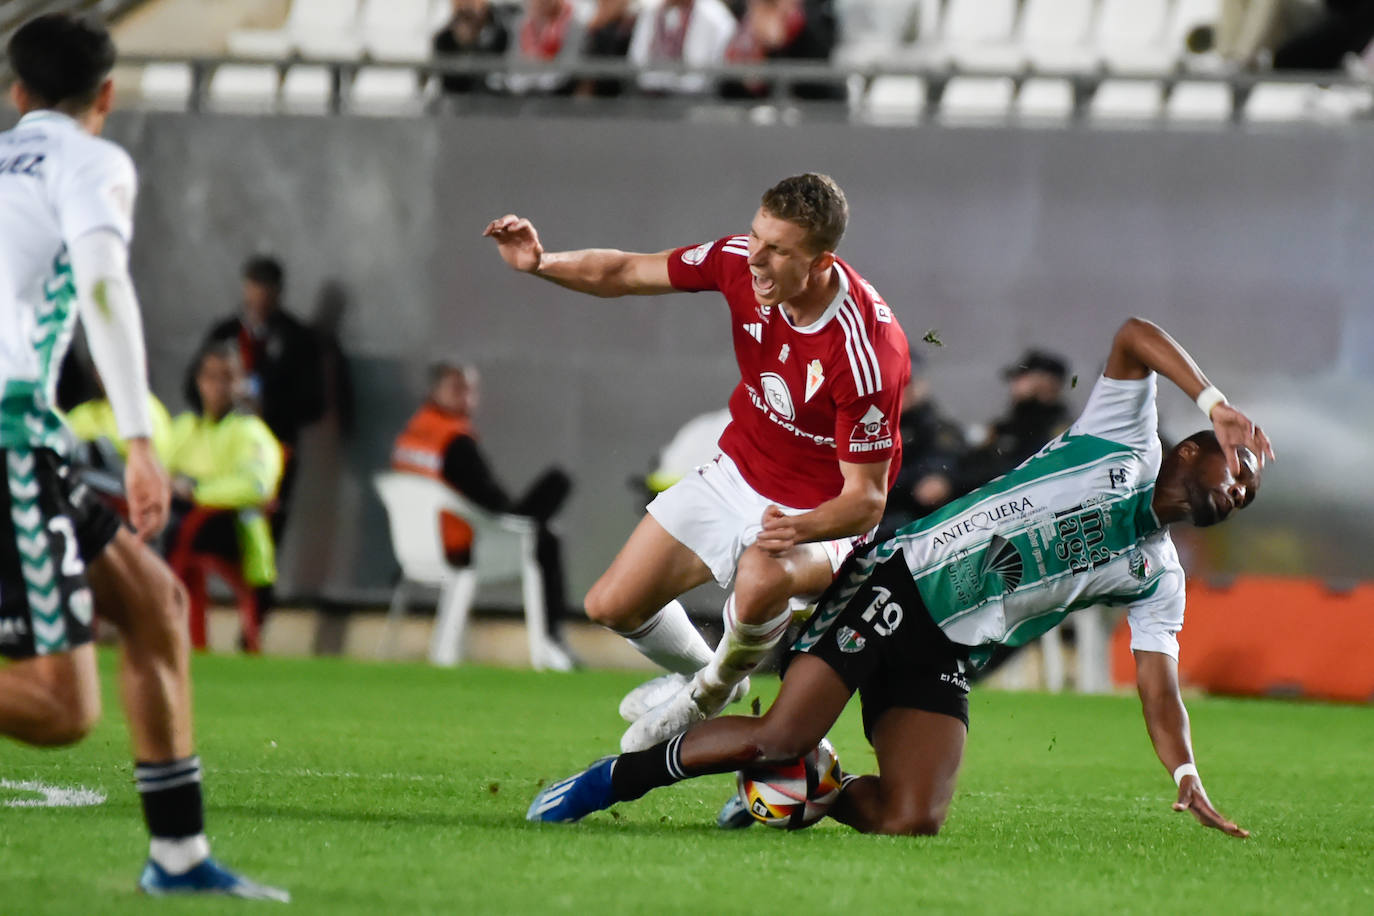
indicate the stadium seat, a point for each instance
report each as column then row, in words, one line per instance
column 306, row 89
column 503, row 549
column 1197, row 101
column 386, row 91
column 978, row 35
column 1127, row 100
column 1130, row 36
column 969, row 98
column 166, row 85
column 395, row 29
column 1278, row 102
column 1054, row 34
column 244, row 87
column 895, row 100
column 1043, row 99
column 194, row 568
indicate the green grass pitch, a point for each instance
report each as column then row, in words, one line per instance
column 398, row 789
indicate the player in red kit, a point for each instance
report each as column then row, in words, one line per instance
column 804, row 465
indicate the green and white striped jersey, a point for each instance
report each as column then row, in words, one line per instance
column 1070, row 528
column 57, row 183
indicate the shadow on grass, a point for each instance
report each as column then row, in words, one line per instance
column 600, row 825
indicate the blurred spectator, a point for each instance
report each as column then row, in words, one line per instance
column 1249, row 30
column 223, row 458
column 551, row 30
column 93, row 421
column 787, row 30
column 440, row 442
column 281, row 361
column 1036, row 415
column 1346, row 27
column 474, row 29
column 608, row 36
column 932, row 449
column 691, row 32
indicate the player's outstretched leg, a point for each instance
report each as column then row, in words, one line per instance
column 810, row 701
column 135, row 591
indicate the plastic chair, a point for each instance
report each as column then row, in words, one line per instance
column 503, row 549
column 193, row 569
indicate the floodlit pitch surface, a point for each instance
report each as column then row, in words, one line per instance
column 398, row 789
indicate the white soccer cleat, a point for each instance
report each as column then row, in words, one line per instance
column 678, row 713
column 650, row 693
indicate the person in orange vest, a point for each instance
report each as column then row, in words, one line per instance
column 440, row 442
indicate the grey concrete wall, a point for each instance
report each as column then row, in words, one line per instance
column 1255, row 249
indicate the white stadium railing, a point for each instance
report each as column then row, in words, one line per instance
column 891, row 92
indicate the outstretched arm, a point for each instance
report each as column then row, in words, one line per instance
column 1141, row 347
column 857, row 508
column 603, row 272
column 1166, row 718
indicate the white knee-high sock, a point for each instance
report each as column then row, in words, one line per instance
column 741, row 649
column 670, row 640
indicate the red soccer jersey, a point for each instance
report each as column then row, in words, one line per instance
column 808, row 398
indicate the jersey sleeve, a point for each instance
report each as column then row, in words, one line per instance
column 696, row 269
column 98, row 194
column 1121, row 410
column 866, row 421
column 1155, row 621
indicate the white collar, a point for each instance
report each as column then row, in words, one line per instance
column 830, row 310
column 48, row 114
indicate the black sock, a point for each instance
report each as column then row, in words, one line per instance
column 172, row 803
column 639, row 771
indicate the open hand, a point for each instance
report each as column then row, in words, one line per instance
column 1234, row 429
column 1192, row 797
column 517, row 242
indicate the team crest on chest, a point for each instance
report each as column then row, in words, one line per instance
column 814, row 376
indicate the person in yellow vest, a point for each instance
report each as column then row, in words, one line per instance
column 93, row 420
column 222, row 458
column 440, row 442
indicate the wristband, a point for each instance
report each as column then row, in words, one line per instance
column 1185, row 769
column 1210, row 397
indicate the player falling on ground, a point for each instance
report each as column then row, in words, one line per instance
column 805, row 463
column 1080, row 523
column 66, row 218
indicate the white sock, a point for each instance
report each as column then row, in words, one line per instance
column 741, row 648
column 669, row 639
column 180, row 855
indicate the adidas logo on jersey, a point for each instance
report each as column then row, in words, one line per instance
column 754, row 330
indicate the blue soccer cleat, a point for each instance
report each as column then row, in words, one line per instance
column 572, row 799
column 209, row 877
column 734, row 814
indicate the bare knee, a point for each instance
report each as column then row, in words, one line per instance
column 912, row 822
column 73, row 714
column 605, row 607
column 762, row 586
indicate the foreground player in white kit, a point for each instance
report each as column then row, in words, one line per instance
column 66, row 218
column 805, row 463
column 1080, row 523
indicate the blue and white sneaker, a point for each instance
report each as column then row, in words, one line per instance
column 209, row 877
column 572, row 799
column 734, row 814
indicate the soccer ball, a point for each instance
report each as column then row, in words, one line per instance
column 792, row 795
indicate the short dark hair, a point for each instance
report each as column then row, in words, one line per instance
column 264, row 270
column 814, row 202
column 223, row 349
column 62, row 59
column 442, row 368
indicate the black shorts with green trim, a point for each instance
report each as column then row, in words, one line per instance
column 50, row 527
column 873, row 628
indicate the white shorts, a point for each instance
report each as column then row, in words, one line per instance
column 716, row 514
